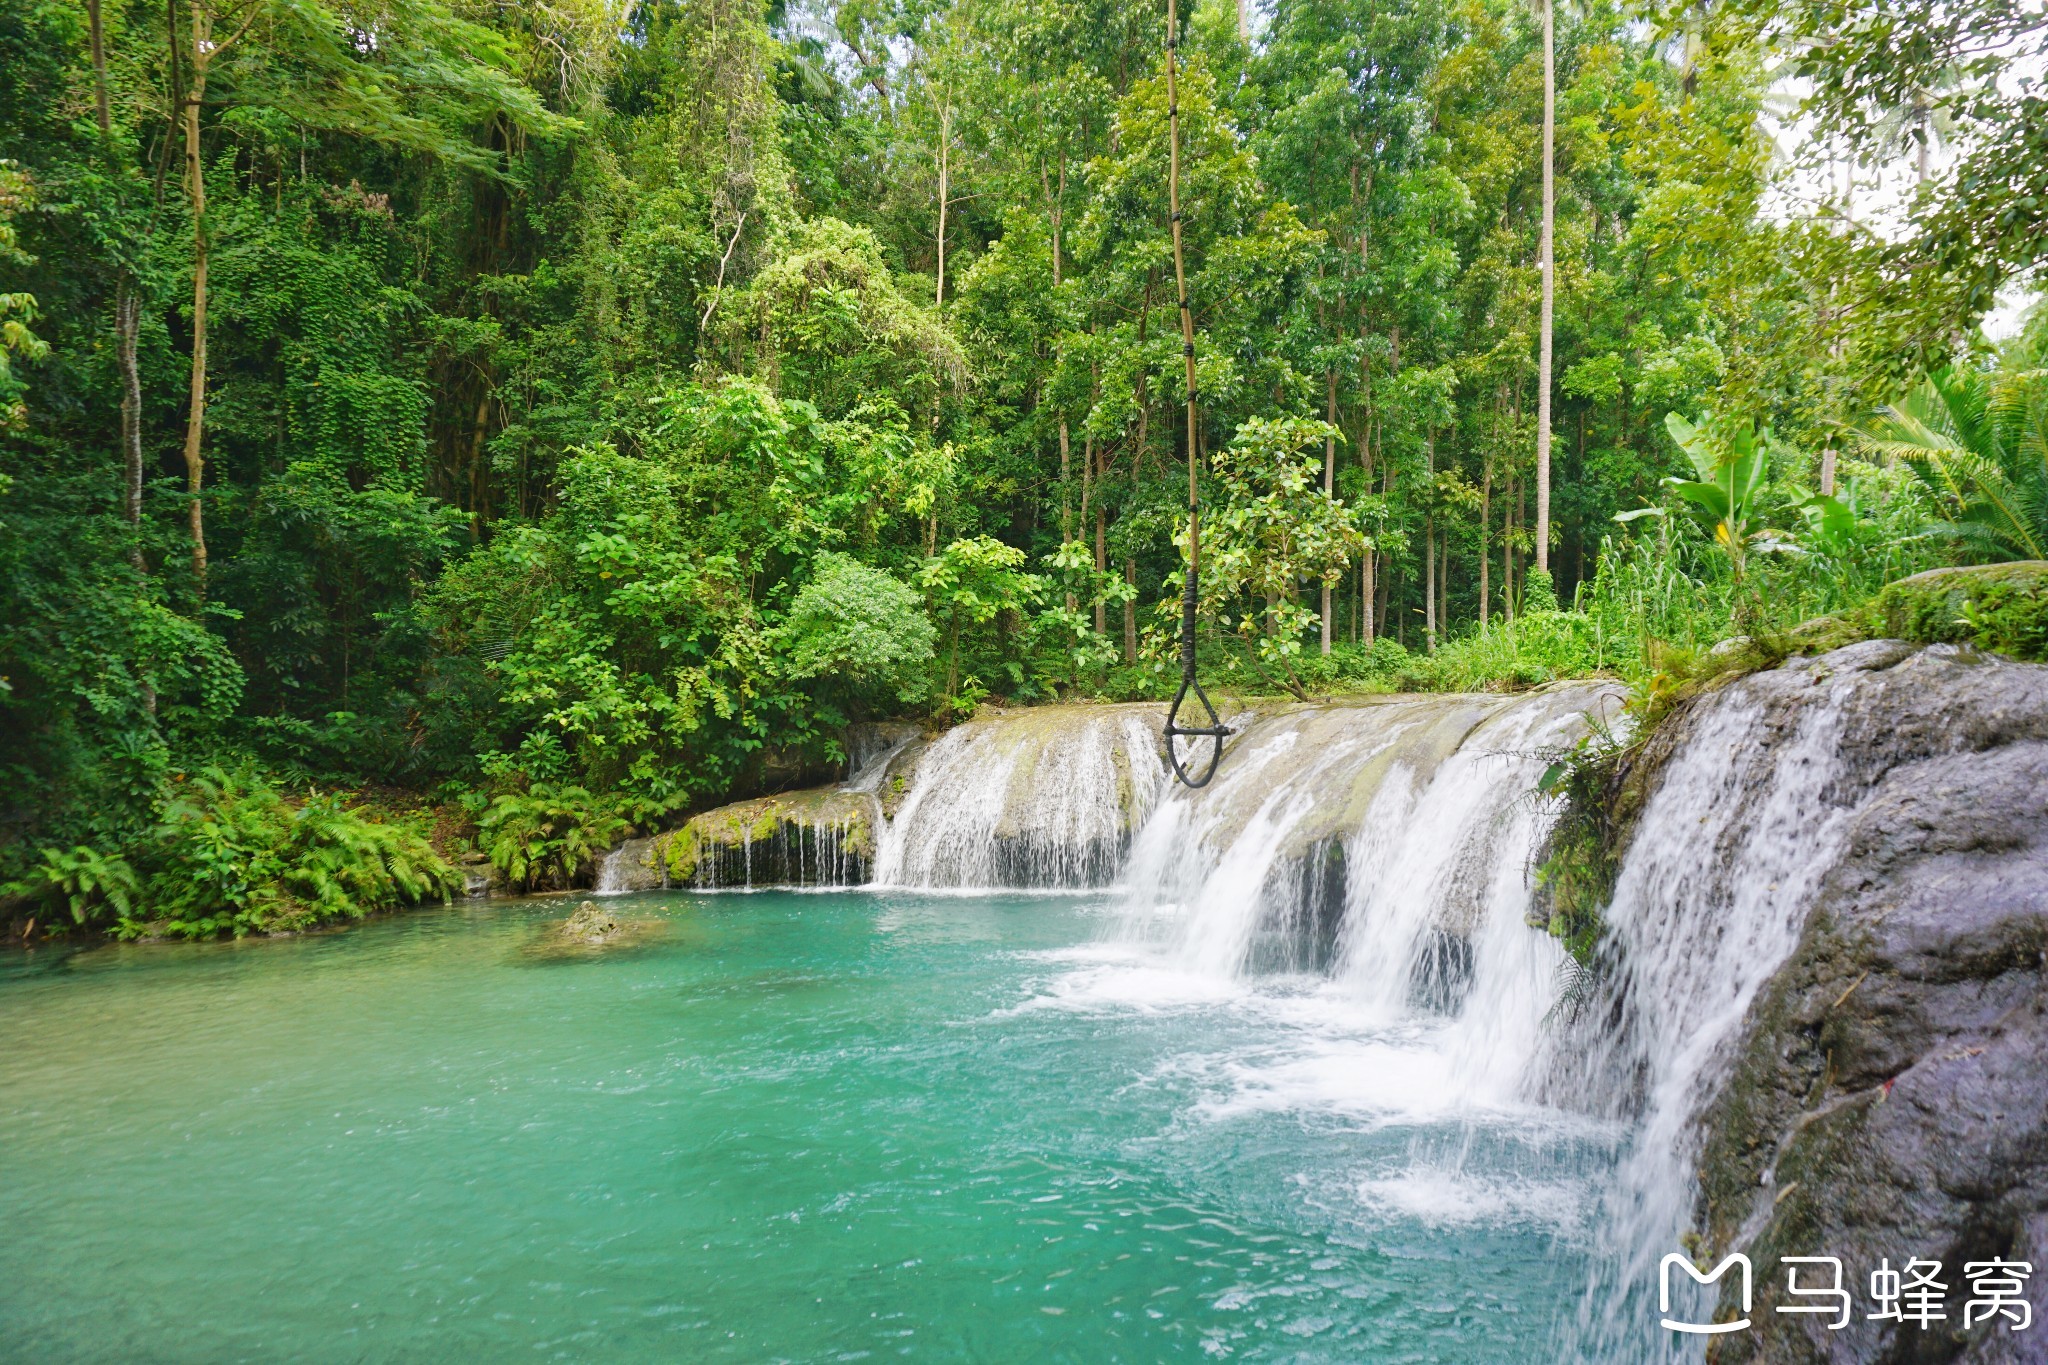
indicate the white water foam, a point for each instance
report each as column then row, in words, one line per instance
column 1042, row 801
column 1710, row 901
column 1391, row 844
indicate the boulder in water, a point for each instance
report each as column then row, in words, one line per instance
column 590, row 924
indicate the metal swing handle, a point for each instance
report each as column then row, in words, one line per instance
column 1215, row 731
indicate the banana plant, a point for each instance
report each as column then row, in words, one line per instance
column 1731, row 462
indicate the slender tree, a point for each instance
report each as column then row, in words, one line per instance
column 1547, row 252
column 203, row 22
column 127, row 307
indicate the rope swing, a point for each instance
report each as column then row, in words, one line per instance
column 1215, row 730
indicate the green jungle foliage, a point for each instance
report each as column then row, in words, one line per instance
column 231, row 854
column 569, row 416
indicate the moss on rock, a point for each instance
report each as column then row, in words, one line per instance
column 1993, row 606
column 822, row 836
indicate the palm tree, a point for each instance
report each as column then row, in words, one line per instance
column 1978, row 440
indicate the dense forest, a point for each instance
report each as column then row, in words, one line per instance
column 428, row 425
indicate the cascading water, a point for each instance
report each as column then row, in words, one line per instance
column 612, row 879
column 1359, row 837
column 1748, row 815
column 1389, row 846
column 1044, row 799
column 1360, row 875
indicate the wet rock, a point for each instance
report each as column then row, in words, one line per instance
column 590, row 923
column 870, row 741
column 635, row 865
column 821, row 837
column 479, row 878
column 1889, row 1096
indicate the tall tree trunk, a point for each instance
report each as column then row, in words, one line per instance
column 127, row 322
column 1366, row 618
column 1485, row 533
column 195, row 189
column 1101, row 566
column 127, row 312
column 1131, row 612
column 1429, row 581
column 1443, row 584
column 1066, row 503
column 1329, row 488
column 1365, row 448
column 1130, row 561
column 1548, row 253
column 1066, row 442
column 1510, row 523
column 1382, row 589
column 945, row 188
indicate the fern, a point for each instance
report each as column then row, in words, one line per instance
column 86, row 881
column 234, row 855
column 547, row 835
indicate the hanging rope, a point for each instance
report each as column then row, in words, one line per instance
column 1215, row 730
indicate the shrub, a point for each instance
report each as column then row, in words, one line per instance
column 233, row 855
column 859, row 629
column 85, row 881
column 544, row 837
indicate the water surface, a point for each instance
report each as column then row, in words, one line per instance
column 841, row 1126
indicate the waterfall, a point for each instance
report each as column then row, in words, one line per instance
column 1362, row 873
column 1360, row 876
column 870, row 748
column 1376, row 839
column 1749, row 812
column 611, row 867
column 1029, row 799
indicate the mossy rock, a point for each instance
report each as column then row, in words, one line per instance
column 1993, row 606
column 796, row 838
column 1824, row 633
column 590, row 924
column 592, row 929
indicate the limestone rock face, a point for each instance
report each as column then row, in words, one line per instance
column 635, row 865
column 1889, row 1099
